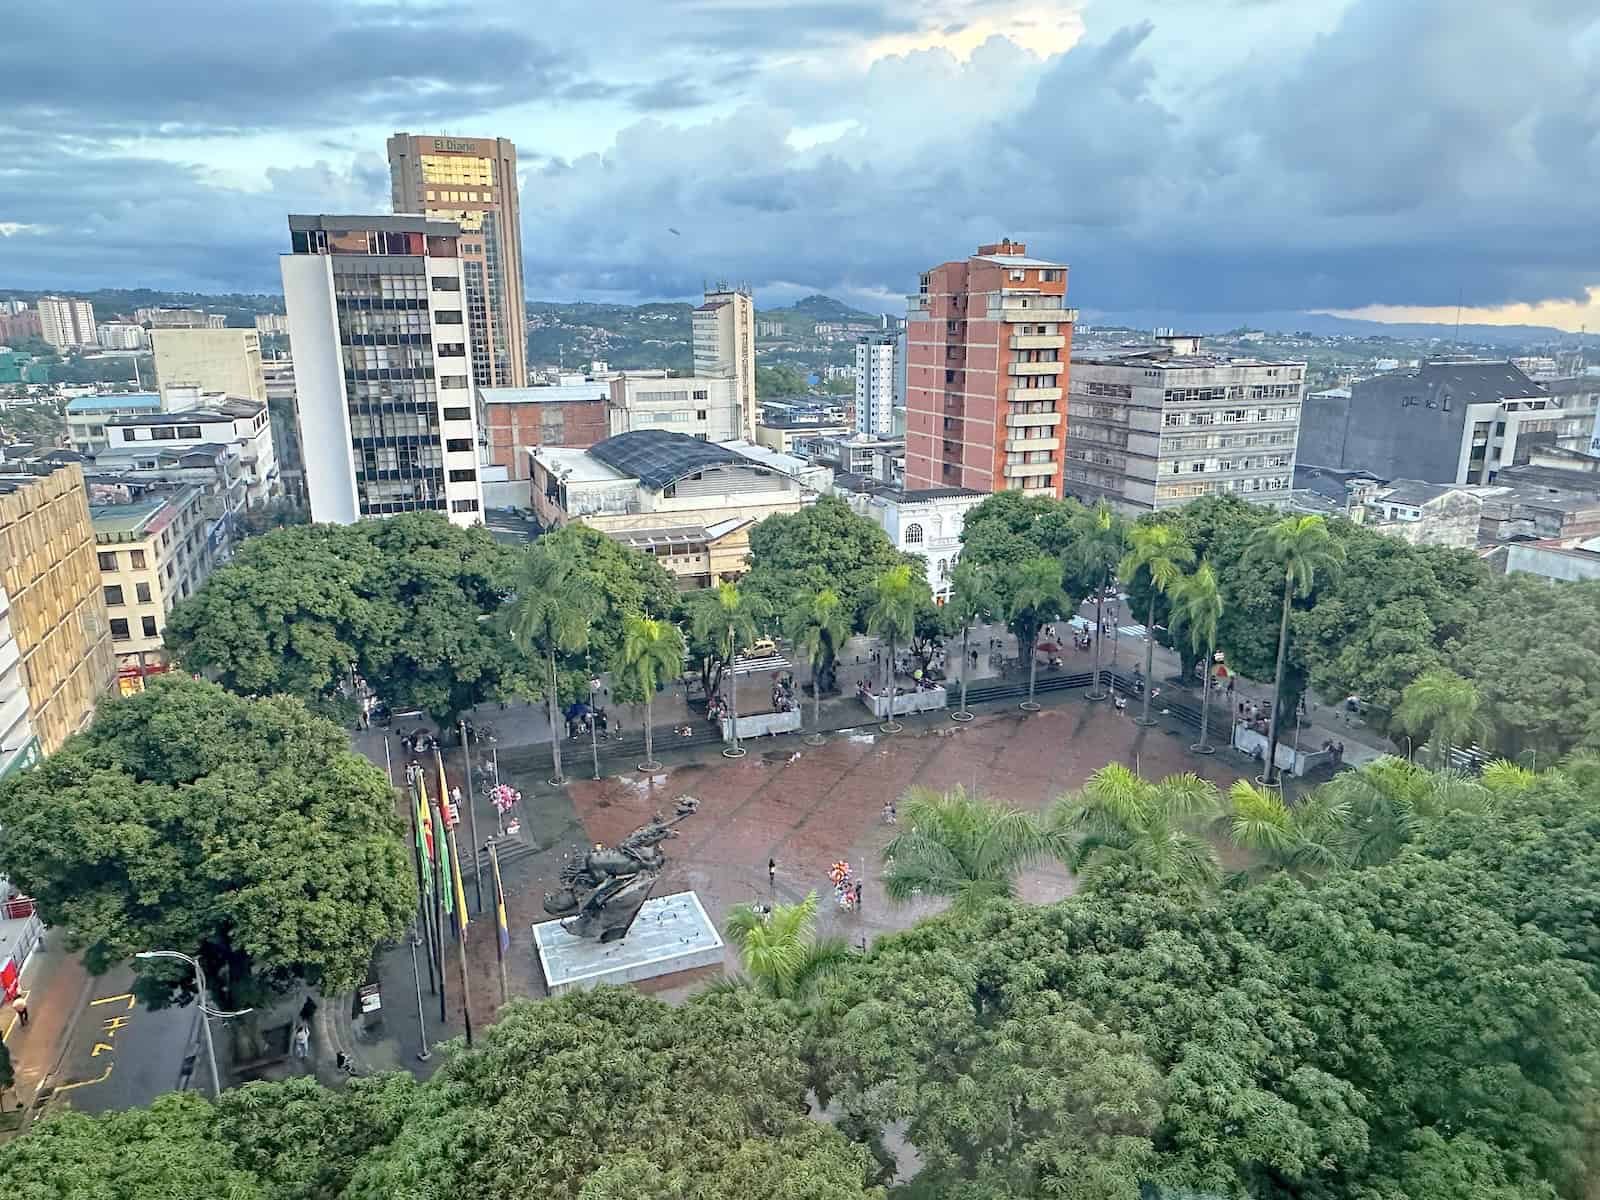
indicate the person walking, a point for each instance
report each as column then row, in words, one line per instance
column 20, row 1007
column 858, row 897
column 302, row 1041
column 772, row 872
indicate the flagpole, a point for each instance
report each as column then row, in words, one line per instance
column 472, row 818
column 439, row 885
column 502, row 933
column 417, row 852
column 461, row 940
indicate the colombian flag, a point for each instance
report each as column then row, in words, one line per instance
column 500, row 906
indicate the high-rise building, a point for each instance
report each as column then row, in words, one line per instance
column 119, row 335
column 382, row 374
column 65, row 322
column 725, row 346
column 875, row 383
column 1161, row 425
column 212, row 360
column 57, row 618
column 473, row 182
column 988, row 342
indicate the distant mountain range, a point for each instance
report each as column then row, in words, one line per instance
column 1324, row 324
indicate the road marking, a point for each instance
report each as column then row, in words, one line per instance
column 115, row 1023
column 128, row 996
column 67, row 1087
column 99, row 1046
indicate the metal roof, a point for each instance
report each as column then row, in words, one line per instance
column 94, row 404
column 658, row 459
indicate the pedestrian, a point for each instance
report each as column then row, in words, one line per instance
column 858, row 896
column 20, row 1007
column 772, row 872
column 302, row 1040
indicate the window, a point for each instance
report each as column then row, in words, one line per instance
column 447, row 316
column 142, row 592
column 163, row 433
column 451, row 350
column 463, row 506
column 113, row 595
column 701, row 395
column 458, row 414
column 452, row 381
column 458, row 444
column 107, row 559
column 699, row 414
column 119, row 629
column 949, row 376
column 149, row 626
column 129, row 435
column 466, row 475
column 913, row 534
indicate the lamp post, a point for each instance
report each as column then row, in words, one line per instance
column 200, row 989
column 594, row 737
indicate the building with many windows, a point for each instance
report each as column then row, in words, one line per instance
column 1159, row 426
column 66, row 323
column 87, row 417
column 242, row 425
column 151, row 553
column 725, row 348
column 119, row 335
column 57, row 617
column 383, row 374
column 473, row 183
column 19, row 748
column 988, row 342
column 877, row 372
column 703, row 407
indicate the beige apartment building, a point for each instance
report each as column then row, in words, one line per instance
column 151, row 554
column 725, row 348
column 212, row 360
column 57, row 617
column 473, row 182
column 65, row 322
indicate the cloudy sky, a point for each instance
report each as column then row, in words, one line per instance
column 1395, row 157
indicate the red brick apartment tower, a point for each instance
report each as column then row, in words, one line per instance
column 987, row 348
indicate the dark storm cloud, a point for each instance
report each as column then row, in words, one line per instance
column 261, row 64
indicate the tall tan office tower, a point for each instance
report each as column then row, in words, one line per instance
column 473, row 182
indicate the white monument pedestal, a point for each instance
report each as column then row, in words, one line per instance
column 670, row 934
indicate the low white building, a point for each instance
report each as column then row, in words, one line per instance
column 926, row 521
column 219, row 420
column 696, row 405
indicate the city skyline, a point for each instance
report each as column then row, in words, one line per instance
column 1360, row 167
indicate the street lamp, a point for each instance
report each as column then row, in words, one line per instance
column 200, row 988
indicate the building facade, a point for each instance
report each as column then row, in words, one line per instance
column 383, row 379
column 19, row 748
column 875, row 377
column 565, row 414
column 725, row 348
column 243, row 425
column 473, row 182
column 87, row 417
column 57, row 614
column 1157, row 427
column 276, row 324
column 151, row 554
column 19, row 326
column 179, row 318
column 117, row 335
column 67, row 323
column 212, row 360
column 928, row 521
column 704, row 407
column 988, row 343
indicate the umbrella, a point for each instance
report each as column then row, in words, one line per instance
column 577, row 709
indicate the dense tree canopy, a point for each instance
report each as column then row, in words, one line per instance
column 245, row 832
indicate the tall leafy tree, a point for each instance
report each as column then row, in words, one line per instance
column 817, row 626
column 731, row 619
column 897, row 596
column 780, row 949
column 1446, row 709
column 1161, row 553
column 1392, row 803
column 972, row 599
column 1037, row 597
column 652, row 652
column 551, row 613
column 1120, row 817
column 961, row 846
column 1315, row 834
column 1099, row 537
column 242, row 832
column 1301, row 548
column 1196, row 609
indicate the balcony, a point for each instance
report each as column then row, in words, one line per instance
column 1036, row 418
column 1036, row 368
column 1044, row 443
column 1016, row 309
column 1014, row 395
column 1029, row 470
column 1038, row 341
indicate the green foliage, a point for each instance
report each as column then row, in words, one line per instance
column 1009, row 528
column 1444, row 708
column 1120, row 818
column 44, row 423
column 780, row 950
column 652, row 653
column 244, row 832
column 780, row 380
column 824, row 545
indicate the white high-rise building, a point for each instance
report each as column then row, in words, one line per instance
column 65, row 322
column 382, row 367
column 725, row 346
column 876, row 384
column 117, row 335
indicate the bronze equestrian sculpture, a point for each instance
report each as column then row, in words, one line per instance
column 608, row 885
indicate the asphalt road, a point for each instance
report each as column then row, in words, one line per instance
column 119, row 1055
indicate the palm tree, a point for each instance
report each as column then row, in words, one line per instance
column 1301, row 547
column 1161, row 552
column 732, row 617
column 1097, row 543
column 961, row 846
column 971, row 598
column 1313, row 834
column 1444, row 706
column 652, row 650
column 1197, row 607
column 1390, row 801
column 781, row 953
column 550, row 613
column 896, row 596
column 817, row 627
column 1119, row 816
column 1036, row 597
column 1506, row 778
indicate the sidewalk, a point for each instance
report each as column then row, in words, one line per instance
column 56, row 986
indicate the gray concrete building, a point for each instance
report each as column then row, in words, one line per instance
column 1161, row 425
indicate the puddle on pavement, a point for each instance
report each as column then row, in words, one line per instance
column 862, row 739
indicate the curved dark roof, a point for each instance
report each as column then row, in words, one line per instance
column 658, row 458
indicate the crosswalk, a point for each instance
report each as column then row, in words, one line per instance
column 765, row 662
